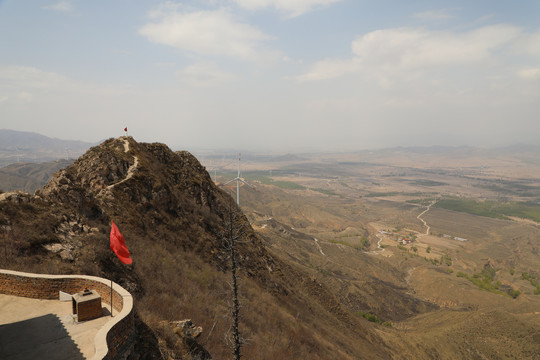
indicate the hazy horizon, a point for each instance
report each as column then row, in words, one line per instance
column 272, row 75
column 231, row 153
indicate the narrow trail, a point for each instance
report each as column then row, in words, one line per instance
column 319, row 246
column 419, row 217
column 409, row 275
column 379, row 242
column 381, row 249
column 131, row 169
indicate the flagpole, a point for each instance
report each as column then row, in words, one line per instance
column 111, row 299
column 118, row 246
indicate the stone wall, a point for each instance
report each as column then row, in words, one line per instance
column 114, row 339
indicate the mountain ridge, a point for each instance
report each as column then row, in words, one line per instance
column 172, row 215
column 300, row 297
column 31, row 147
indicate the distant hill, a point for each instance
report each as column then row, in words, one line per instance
column 29, row 147
column 515, row 149
column 287, row 157
column 300, row 298
column 29, row 177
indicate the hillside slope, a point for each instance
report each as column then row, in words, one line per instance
column 29, row 177
column 173, row 216
column 30, row 147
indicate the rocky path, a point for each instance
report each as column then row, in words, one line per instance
column 419, row 217
column 319, row 246
column 409, row 275
column 379, row 247
column 131, row 169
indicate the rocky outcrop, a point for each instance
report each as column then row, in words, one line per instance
column 181, row 337
column 174, row 219
column 17, row 197
column 155, row 195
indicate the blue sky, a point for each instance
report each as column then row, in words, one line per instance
column 273, row 75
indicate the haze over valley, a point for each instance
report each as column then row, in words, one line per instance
column 299, row 179
column 415, row 241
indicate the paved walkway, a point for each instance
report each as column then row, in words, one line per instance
column 45, row 329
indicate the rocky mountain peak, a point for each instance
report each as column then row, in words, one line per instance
column 122, row 171
column 149, row 189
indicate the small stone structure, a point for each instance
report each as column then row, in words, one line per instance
column 87, row 305
column 115, row 339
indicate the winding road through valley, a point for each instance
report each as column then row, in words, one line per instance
column 419, row 217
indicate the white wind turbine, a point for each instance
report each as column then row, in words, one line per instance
column 238, row 180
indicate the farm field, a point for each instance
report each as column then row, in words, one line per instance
column 453, row 236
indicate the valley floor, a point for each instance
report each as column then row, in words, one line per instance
column 451, row 284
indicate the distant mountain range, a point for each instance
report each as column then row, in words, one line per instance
column 28, row 160
column 29, row 177
column 29, row 147
column 179, row 227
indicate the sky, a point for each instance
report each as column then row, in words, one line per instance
column 273, row 75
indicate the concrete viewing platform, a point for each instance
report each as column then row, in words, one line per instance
column 35, row 324
column 46, row 329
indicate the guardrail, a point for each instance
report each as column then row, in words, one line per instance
column 113, row 340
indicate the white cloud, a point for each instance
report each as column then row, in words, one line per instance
column 529, row 44
column 3, row 99
column 29, row 77
column 397, row 52
column 205, row 32
column 529, row 74
column 204, row 74
column 25, row 96
column 291, row 8
column 434, row 15
column 415, row 48
column 329, row 69
column 164, row 9
column 62, row 6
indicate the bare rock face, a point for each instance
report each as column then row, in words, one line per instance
column 158, row 198
column 184, row 335
column 98, row 168
column 18, row 197
column 186, row 329
column 122, row 170
column 147, row 186
column 65, row 251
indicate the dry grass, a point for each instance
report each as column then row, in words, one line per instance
column 298, row 299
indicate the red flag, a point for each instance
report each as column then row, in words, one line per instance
column 125, row 129
column 118, row 245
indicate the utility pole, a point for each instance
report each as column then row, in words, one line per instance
column 233, row 231
column 236, row 306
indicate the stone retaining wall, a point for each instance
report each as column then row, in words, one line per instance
column 113, row 340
